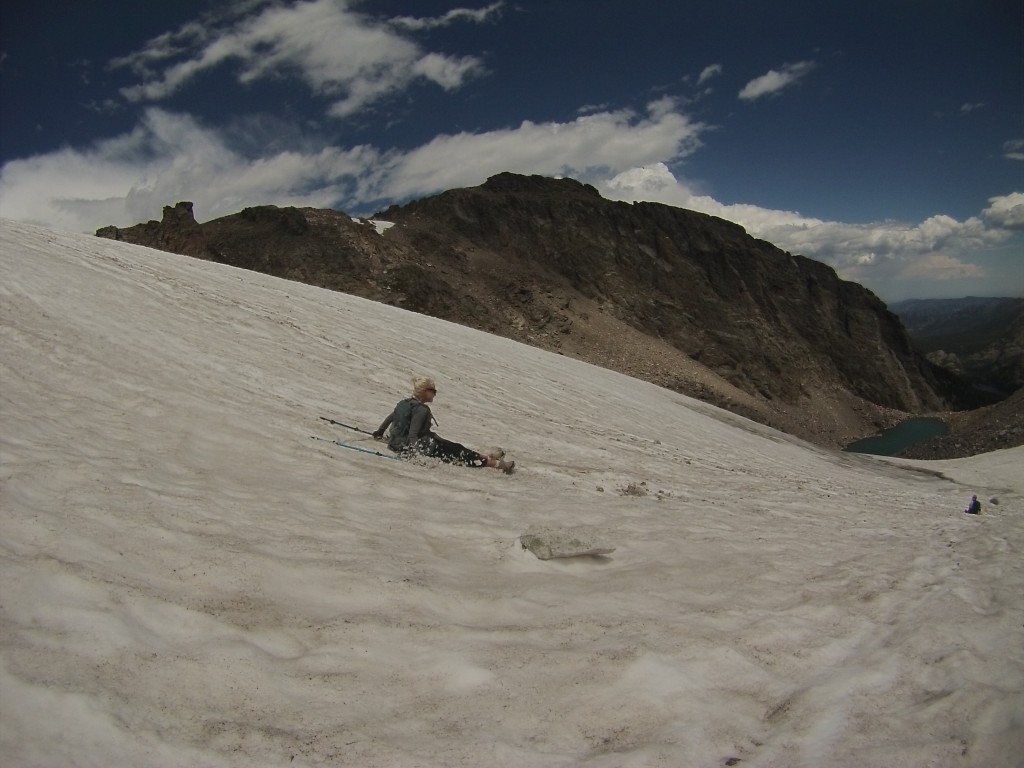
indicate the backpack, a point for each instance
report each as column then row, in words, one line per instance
column 401, row 419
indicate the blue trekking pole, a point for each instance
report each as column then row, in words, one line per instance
column 351, row 447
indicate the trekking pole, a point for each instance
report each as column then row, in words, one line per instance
column 341, row 444
column 347, row 426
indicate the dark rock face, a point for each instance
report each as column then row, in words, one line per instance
column 678, row 298
column 773, row 324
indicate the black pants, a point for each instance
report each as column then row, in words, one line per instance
column 452, row 453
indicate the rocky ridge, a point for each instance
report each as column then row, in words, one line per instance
column 678, row 298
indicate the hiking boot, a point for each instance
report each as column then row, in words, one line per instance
column 508, row 467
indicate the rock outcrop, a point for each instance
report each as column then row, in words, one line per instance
column 178, row 232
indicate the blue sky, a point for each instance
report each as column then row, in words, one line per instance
column 883, row 138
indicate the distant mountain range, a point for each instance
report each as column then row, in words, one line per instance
column 981, row 339
column 681, row 299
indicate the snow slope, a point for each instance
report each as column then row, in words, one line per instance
column 187, row 579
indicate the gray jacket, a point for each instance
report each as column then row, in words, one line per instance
column 410, row 425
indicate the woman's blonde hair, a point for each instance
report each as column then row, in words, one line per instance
column 421, row 384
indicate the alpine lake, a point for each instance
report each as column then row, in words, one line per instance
column 899, row 438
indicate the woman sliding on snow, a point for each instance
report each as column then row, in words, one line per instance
column 410, row 433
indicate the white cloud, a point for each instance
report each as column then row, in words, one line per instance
column 479, row 16
column 171, row 157
column 168, row 158
column 940, row 267
column 651, row 183
column 341, row 55
column 167, row 46
column 1014, row 150
column 586, row 148
column 776, row 80
column 445, row 71
column 709, row 72
column 1006, row 211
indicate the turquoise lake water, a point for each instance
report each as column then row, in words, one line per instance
column 899, row 438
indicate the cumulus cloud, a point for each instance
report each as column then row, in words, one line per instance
column 586, row 148
column 1006, row 212
column 776, row 80
column 343, row 56
column 649, row 183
